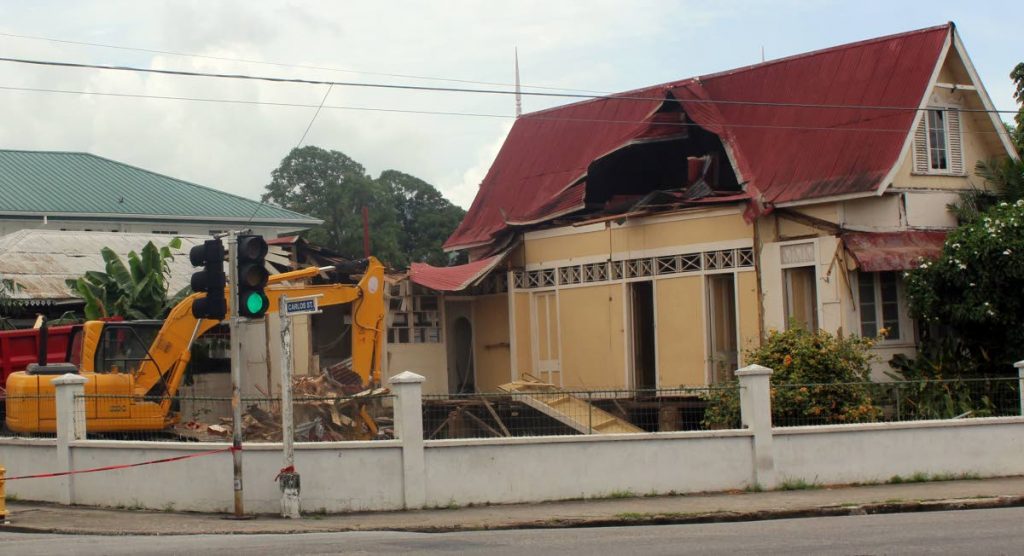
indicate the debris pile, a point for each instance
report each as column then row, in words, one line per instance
column 323, row 411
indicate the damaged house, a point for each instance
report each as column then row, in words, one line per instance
column 646, row 239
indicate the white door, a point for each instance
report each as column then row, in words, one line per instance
column 546, row 364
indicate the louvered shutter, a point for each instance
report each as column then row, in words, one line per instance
column 921, row 146
column 956, row 158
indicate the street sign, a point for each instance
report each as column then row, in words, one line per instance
column 302, row 306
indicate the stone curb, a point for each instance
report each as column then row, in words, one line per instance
column 615, row 521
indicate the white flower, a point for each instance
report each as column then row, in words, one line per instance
column 1007, row 252
column 972, row 284
column 956, row 246
column 963, row 267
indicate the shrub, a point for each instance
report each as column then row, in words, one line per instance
column 973, row 291
column 818, row 378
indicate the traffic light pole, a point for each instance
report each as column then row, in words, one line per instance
column 236, row 372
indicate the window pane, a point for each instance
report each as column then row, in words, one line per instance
column 722, row 326
column 890, row 303
column 801, row 297
column 868, row 316
column 937, row 140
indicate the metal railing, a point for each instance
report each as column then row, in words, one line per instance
column 561, row 413
column 864, row 402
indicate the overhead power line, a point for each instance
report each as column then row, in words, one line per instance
column 440, row 112
column 421, row 88
column 288, row 65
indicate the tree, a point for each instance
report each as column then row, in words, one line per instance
column 137, row 290
column 973, row 290
column 1017, row 131
column 409, row 219
column 425, row 216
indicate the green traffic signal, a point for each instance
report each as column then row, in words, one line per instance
column 256, row 303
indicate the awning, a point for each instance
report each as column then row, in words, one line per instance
column 453, row 278
column 882, row 251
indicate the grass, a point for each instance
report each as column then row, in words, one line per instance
column 620, row 494
column 922, row 477
column 756, row 487
column 798, row 484
column 12, row 498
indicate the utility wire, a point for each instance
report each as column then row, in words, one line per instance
column 476, row 91
column 538, row 116
column 297, row 145
column 288, row 65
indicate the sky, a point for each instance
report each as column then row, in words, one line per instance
column 584, row 45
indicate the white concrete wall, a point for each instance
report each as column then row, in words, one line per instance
column 878, row 451
column 558, row 468
column 358, row 476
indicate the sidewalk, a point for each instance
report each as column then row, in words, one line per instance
column 889, row 498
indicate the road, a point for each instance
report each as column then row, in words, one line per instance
column 961, row 532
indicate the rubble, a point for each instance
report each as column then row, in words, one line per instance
column 324, row 410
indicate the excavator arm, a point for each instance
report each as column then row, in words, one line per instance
column 162, row 373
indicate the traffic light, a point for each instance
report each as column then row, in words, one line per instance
column 252, row 276
column 210, row 256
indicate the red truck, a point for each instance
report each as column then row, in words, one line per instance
column 18, row 348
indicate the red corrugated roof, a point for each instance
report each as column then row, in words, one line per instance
column 881, row 251
column 782, row 153
column 452, row 278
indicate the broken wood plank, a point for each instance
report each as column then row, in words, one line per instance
column 494, row 414
column 484, row 425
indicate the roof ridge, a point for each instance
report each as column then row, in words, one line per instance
column 670, row 84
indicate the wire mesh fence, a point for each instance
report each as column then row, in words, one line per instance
column 32, row 416
column 864, row 402
column 366, row 416
column 561, row 413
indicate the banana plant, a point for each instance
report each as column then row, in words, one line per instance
column 136, row 290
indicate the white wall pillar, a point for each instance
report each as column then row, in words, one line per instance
column 408, row 388
column 70, row 426
column 1020, row 383
column 756, row 415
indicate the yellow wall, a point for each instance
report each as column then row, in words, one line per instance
column 564, row 247
column 678, row 233
column 591, row 329
column 522, row 345
column 680, row 331
column 491, row 342
column 429, row 360
column 637, row 235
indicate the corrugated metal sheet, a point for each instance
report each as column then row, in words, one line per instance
column 884, row 251
column 52, row 183
column 783, row 153
column 39, row 262
column 452, row 278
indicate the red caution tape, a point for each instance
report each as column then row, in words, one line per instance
column 125, row 466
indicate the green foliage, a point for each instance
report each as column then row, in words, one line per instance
column 409, row 219
column 1017, row 132
column 818, row 378
column 425, row 216
column 137, row 290
column 935, row 388
column 1005, row 178
column 973, row 288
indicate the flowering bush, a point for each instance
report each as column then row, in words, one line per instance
column 818, row 378
column 975, row 289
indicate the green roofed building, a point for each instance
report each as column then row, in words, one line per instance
column 75, row 191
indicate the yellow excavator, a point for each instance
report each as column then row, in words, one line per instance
column 133, row 369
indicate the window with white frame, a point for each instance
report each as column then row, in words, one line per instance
column 878, row 304
column 937, row 143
